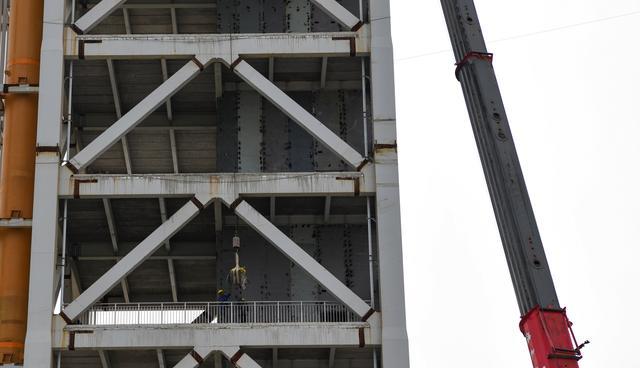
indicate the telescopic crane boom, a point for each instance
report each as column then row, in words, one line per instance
column 544, row 323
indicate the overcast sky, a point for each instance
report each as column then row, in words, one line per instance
column 572, row 98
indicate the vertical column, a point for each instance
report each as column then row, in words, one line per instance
column 395, row 348
column 45, row 226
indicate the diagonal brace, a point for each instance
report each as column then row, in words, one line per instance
column 94, row 16
column 301, row 258
column 233, row 353
column 136, row 115
column 336, row 11
column 134, row 258
column 298, row 114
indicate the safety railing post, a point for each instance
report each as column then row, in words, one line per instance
column 232, row 313
column 185, row 314
column 277, row 312
column 255, row 312
column 161, row 313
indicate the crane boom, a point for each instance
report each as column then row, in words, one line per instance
column 544, row 323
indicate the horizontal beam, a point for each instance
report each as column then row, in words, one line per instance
column 220, row 47
column 134, row 258
column 216, row 185
column 186, row 336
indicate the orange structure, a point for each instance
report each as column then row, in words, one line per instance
column 17, row 174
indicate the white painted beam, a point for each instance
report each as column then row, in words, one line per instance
column 163, row 217
column 135, row 257
column 195, row 357
column 344, row 335
column 104, row 359
column 96, row 14
column 161, row 361
column 301, row 258
column 238, row 358
column 111, row 224
column 165, row 76
column 125, row 290
column 118, row 109
column 298, row 114
column 338, row 12
column 395, row 346
column 217, row 185
column 174, row 150
column 332, row 357
column 136, row 115
column 44, row 247
column 172, row 280
column 226, row 48
column 127, row 20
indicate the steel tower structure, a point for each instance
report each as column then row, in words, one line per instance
column 167, row 131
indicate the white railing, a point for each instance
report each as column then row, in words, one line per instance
column 216, row 312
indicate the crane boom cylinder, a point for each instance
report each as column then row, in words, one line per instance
column 543, row 322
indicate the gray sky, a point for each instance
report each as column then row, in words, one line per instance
column 572, row 96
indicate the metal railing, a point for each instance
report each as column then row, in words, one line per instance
column 216, row 312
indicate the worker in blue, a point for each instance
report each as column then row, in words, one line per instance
column 223, row 296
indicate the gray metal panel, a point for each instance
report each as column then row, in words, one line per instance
column 302, row 153
column 250, row 142
column 298, row 16
column 227, row 139
column 277, row 143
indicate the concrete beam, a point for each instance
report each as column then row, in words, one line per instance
column 165, row 76
column 338, row 12
column 104, row 359
column 134, row 258
column 238, row 358
column 217, row 185
column 395, row 347
column 111, row 224
column 44, row 247
column 332, row 357
column 96, row 14
column 136, row 115
column 161, row 361
column 298, row 114
column 343, row 335
column 225, row 48
column 195, row 357
column 301, row 258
